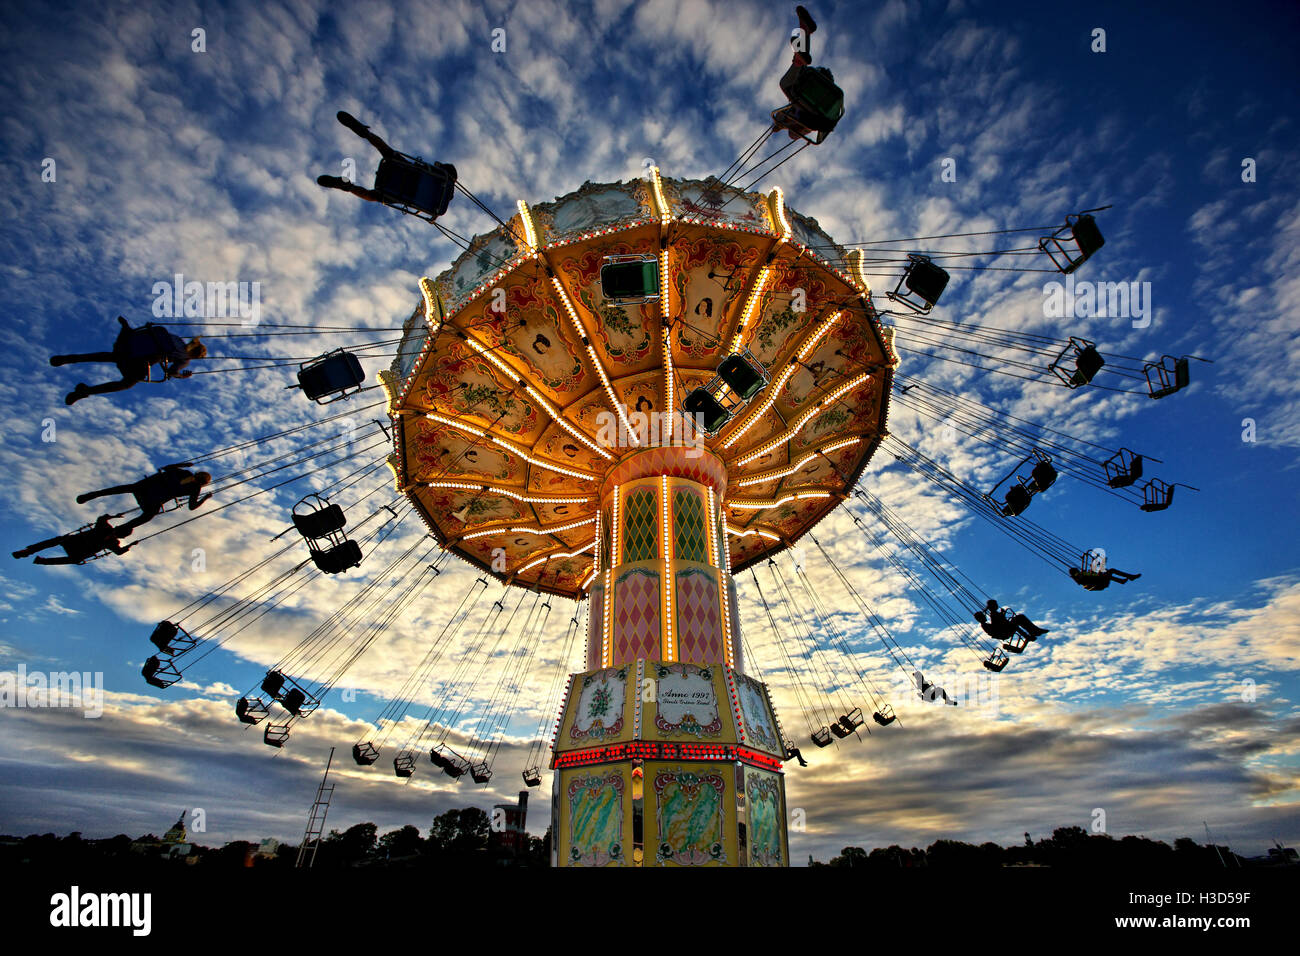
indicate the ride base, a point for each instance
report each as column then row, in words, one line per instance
column 666, row 753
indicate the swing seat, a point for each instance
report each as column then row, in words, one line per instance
column 1158, row 495
column 818, row 103
column 997, row 661
column 629, row 279
column 365, row 753
column 414, row 186
column 160, row 673
column 438, row 760
column 275, row 735
column 533, row 777
column 171, row 638
column 839, row 730
column 333, row 376
column 1016, row 501
column 1086, row 366
column 273, row 685
column 852, row 720
column 1083, row 232
column 1042, row 477
column 251, row 710
column 337, row 559
column 1168, row 378
column 1087, row 363
column 146, row 343
column 404, row 764
column 320, row 523
column 743, row 374
column 885, row 716
column 925, row 282
column 701, row 405
column 299, row 703
column 1119, row 473
column 1090, row 580
column 481, row 773
column 1016, row 645
column 822, row 738
column 456, row 769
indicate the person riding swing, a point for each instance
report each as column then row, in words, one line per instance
column 135, row 352
column 80, row 546
column 155, row 492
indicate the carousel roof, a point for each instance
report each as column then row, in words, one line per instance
column 519, row 387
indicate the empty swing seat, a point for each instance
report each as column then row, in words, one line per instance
column 997, row 661
column 1087, row 362
column 533, row 777
column 702, row 406
column 839, row 730
column 1016, row 645
column 251, row 710
column 337, row 374
column 885, row 716
column 1158, row 494
column 741, row 375
column 924, row 281
column 1083, row 232
column 404, row 764
column 160, row 673
column 1086, row 366
column 1121, row 473
column 321, row 522
column 337, row 559
column 630, row 278
column 171, row 638
column 481, row 773
column 365, row 753
column 273, row 684
column 405, row 182
column 275, row 735
column 1016, row 501
column 822, row 737
column 1167, row 379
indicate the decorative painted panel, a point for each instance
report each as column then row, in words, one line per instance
column 756, row 712
column 686, row 702
column 763, row 834
column 595, row 808
column 597, row 710
column 693, row 812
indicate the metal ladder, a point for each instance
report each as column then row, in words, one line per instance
column 316, row 819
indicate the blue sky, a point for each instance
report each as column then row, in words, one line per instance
column 174, row 161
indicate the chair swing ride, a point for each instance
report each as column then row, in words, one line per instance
column 629, row 399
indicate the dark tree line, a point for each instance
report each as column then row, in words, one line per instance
column 456, row 837
column 1068, row 847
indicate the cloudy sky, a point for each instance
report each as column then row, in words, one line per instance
column 1164, row 703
